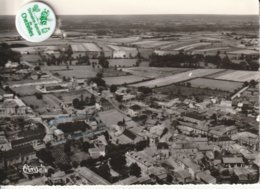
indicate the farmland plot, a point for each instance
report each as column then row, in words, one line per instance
column 154, row 72
column 236, row 75
column 177, row 78
column 123, row 80
column 229, row 86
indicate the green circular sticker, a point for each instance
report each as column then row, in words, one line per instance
column 35, row 22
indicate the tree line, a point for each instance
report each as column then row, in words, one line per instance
column 185, row 60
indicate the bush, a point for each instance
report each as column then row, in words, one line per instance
column 38, row 95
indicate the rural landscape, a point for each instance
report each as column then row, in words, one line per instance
column 131, row 99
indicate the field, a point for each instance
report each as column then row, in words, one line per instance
column 229, row 86
column 123, row 80
column 154, row 72
column 168, row 80
column 151, row 43
column 122, row 40
column 32, row 58
column 177, row 91
column 122, row 62
column 46, row 105
column 85, row 47
column 68, row 97
column 25, row 90
column 80, row 72
column 235, row 75
column 192, row 46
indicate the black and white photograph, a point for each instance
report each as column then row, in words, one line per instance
column 127, row 92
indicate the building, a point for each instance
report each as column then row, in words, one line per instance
column 194, row 117
column 163, row 150
column 233, row 161
column 222, row 130
column 13, row 106
column 58, row 134
column 192, row 167
column 96, row 152
column 206, row 178
column 143, row 161
column 19, row 155
column 31, row 137
column 92, row 177
column 5, row 145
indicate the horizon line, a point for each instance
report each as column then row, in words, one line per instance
column 159, row 14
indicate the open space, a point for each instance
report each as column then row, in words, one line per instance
column 177, row 78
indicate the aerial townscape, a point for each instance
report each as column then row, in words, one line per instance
column 123, row 100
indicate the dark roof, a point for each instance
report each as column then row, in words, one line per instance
column 162, row 145
column 195, row 115
column 224, row 138
column 38, row 136
column 129, row 134
column 27, row 149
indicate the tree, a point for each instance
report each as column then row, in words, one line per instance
column 67, row 148
column 86, row 146
column 135, row 170
column 117, row 162
column 92, row 100
column 102, row 61
column 75, row 164
column 77, row 104
column 99, row 75
column 169, row 178
column 38, row 95
column 113, row 88
column 145, row 90
column 252, row 83
column 119, row 98
column 104, row 171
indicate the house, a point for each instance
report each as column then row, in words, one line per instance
column 194, row 117
column 219, row 131
column 206, row 178
column 30, row 137
column 97, row 152
column 58, row 134
column 58, row 177
column 5, row 145
column 132, row 136
column 92, row 177
column 142, row 160
column 183, row 176
column 233, row 161
column 19, row 155
column 192, row 167
column 247, row 139
column 246, row 175
column 163, row 149
column 13, row 106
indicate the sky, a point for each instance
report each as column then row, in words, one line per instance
column 117, row 7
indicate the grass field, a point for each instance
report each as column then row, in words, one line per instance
column 154, row 72
column 151, row 43
column 237, row 75
column 43, row 106
column 168, row 80
column 123, row 80
column 122, row 62
column 68, row 97
column 25, row 90
column 177, row 91
column 81, row 72
column 229, row 86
